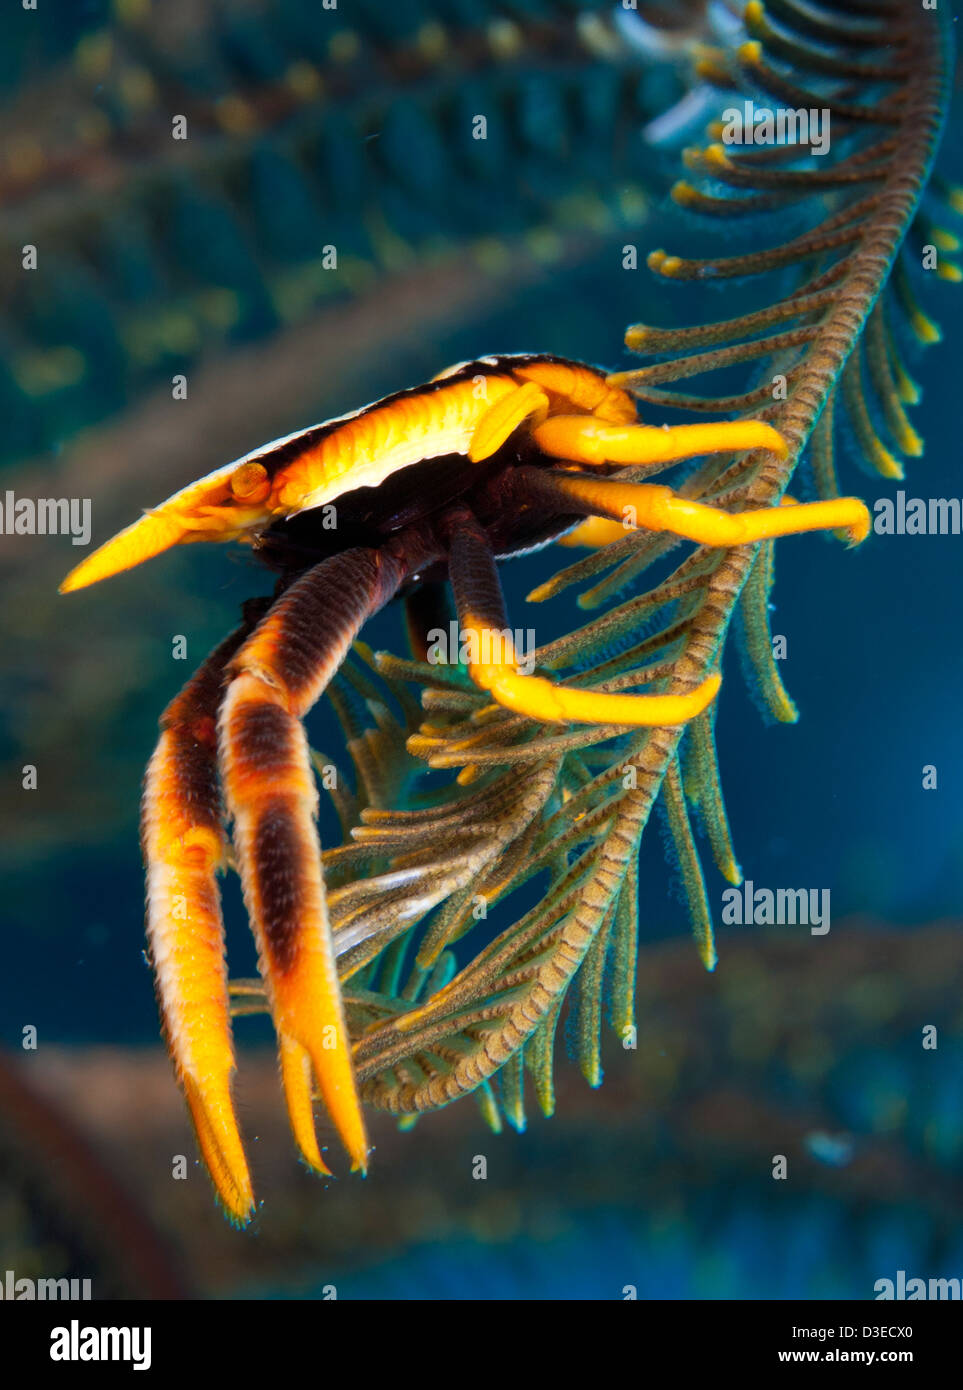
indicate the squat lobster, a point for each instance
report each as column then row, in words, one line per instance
column 484, row 462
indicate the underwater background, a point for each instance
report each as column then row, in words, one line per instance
column 346, row 127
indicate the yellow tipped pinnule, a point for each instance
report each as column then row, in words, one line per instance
column 636, row 338
column 924, row 328
column 715, row 157
column 945, row 240
column 663, row 264
column 685, row 196
column 910, row 442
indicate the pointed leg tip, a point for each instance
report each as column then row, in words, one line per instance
column 315, row 1163
column 238, row 1215
column 221, row 1148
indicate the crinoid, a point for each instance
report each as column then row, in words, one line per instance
column 560, row 757
column 831, row 339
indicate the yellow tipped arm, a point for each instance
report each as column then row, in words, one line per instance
column 582, row 439
column 656, row 508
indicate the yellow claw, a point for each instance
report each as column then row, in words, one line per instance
column 269, row 790
column 541, row 699
column 658, row 508
column 545, row 701
column 296, row 1080
column 582, row 439
column 312, row 1037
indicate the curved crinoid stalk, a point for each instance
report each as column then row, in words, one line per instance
column 881, row 73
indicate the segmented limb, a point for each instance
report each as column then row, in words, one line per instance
column 493, row 660
column 656, row 508
column 184, row 845
column 270, row 790
column 583, row 439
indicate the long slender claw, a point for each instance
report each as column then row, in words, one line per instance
column 296, row 1078
column 183, row 847
column 582, row 439
column 272, row 796
column 212, row 1111
column 542, row 699
column 493, row 663
column 658, row 508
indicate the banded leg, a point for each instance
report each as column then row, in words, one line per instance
column 657, row 508
column 269, row 785
column 184, row 845
column 484, row 624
